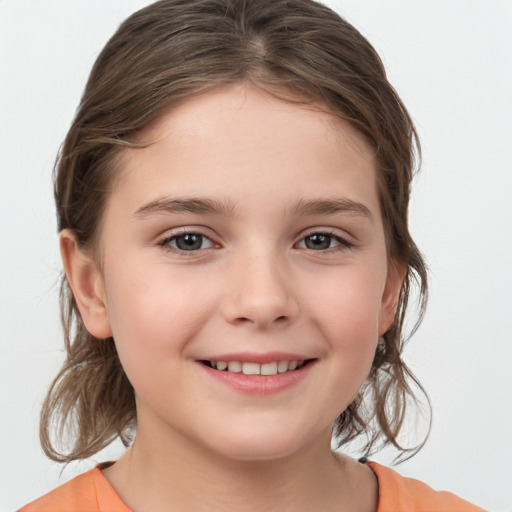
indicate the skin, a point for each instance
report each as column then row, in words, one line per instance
column 253, row 285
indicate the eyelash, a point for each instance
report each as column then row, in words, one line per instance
column 165, row 243
column 342, row 243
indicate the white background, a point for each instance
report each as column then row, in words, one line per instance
column 451, row 61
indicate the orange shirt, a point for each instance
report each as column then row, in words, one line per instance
column 91, row 492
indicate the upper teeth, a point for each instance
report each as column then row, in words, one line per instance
column 256, row 368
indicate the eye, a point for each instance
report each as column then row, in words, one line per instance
column 187, row 242
column 323, row 242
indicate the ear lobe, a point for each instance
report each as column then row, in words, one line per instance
column 389, row 304
column 86, row 282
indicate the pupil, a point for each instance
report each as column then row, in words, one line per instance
column 189, row 242
column 318, row 241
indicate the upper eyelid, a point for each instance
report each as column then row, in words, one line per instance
column 334, row 232
column 185, row 230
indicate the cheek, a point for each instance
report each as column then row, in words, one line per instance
column 349, row 324
column 154, row 311
column 154, row 314
column 350, row 302
column 346, row 310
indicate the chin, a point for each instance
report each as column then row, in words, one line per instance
column 263, row 445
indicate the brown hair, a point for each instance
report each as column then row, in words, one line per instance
column 169, row 51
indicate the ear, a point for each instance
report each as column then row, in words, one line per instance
column 86, row 282
column 389, row 304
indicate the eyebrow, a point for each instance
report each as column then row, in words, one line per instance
column 330, row 206
column 197, row 205
column 187, row 205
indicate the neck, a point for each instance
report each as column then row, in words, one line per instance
column 160, row 476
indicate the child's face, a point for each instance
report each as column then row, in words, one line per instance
column 249, row 232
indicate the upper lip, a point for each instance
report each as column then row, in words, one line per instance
column 253, row 357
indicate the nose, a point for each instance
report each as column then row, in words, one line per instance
column 260, row 293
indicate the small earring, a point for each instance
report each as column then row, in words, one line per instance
column 381, row 343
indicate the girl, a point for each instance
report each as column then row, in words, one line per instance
column 232, row 201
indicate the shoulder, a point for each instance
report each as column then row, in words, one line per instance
column 88, row 492
column 400, row 494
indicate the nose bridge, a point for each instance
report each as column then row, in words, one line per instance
column 261, row 291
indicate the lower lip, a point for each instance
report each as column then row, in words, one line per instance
column 259, row 384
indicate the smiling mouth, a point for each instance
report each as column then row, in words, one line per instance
column 273, row 368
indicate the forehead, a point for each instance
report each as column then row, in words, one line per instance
column 240, row 134
column 215, row 110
